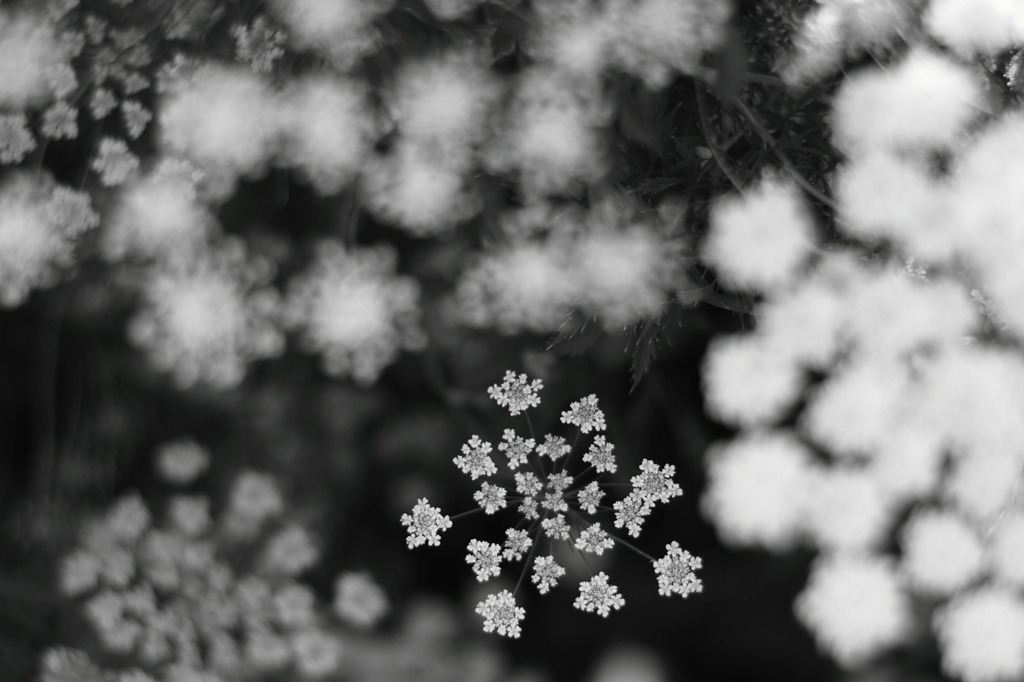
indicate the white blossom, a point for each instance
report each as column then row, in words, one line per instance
column 358, row 600
column 675, row 572
column 854, row 606
column 518, row 394
column 585, row 414
column 501, row 613
column 517, row 543
column 598, row 595
column 181, row 461
column 554, row 447
column 425, row 524
column 654, row 484
column 546, row 573
column 980, row 635
column 491, row 498
column 475, row 459
column 594, row 539
column 589, row 497
column 555, row 527
column 759, row 241
column 516, row 448
column 631, row 511
column 600, row 455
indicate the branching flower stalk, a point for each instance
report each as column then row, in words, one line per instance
column 557, row 505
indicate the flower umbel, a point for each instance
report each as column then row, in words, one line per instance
column 598, row 595
column 425, row 524
column 585, row 414
column 515, row 393
column 555, row 504
column 675, row 572
column 501, row 613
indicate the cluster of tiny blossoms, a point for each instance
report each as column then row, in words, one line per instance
column 555, row 506
column 918, row 397
column 193, row 597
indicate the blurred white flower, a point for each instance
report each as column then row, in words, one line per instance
column 223, row 118
column 158, row 216
column 854, row 606
column 523, row 287
column 295, row 605
column 844, row 29
column 748, row 380
column 653, row 39
column 340, row 29
column 205, row 320
column 442, row 103
column 114, row 162
column 757, row 485
column 290, row 551
column 29, row 49
column 254, row 498
column 38, row 228
column 358, row 600
column 981, row 635
column 136, row 117
column 317, row 653
column 852, row 412
column 925, row 101
column 181, row 461
column 60, row 121
column 760, row 240
column 552, row 134
column 1005, row 550
column 259, row 44
column 942, row 553
column 418, row 191
column 16, row 140
column 625, row 274
column 352, row 309
column 972, row 26
column 328, row 130
column 845, row 509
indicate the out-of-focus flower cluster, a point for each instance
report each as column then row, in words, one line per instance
column 185, row 596
column 352, row 310
column 204, row 320
column 607, row 261
column 555, row 506
column 885, row 386
column 166, row 134
column 40, row 222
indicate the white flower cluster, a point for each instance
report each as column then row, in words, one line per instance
column 352, row 309
column 172, row 599
column 40, row 222
column 606, row 261
column 650, row 39
column 205, row 319
column 558, row 513
column 231, row 123
column 916, row 407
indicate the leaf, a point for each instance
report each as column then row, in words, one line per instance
column 643, row 352
column 655, row 185
column 576, row 335
column 694, row 296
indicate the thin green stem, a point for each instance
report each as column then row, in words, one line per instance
column 705, row 125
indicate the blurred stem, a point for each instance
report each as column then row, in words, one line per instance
column 45, row 413
column 762, row 131
column 705, row 125
column 526, row 564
